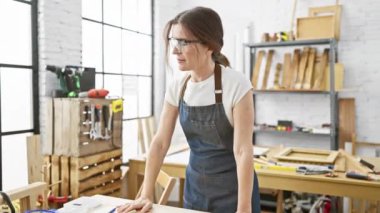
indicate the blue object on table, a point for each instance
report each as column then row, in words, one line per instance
column 113, row 210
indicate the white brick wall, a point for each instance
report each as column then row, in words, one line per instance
column 358, row 51
column 60, row 42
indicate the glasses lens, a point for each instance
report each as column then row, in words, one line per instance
column 174, row 43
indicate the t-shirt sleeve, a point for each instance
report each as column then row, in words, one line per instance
column 172, row 92
column 243, row 85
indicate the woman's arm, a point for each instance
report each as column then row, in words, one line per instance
column 157, row 151
column 243, row 150
column 158, row 148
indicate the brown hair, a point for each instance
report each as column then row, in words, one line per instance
column 206, row 25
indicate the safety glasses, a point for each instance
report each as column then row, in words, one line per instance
column 181, row 43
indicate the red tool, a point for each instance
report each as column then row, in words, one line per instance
column 94, row 93
column 55, row 199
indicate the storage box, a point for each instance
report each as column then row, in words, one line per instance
column 84, row 176
column 71, row 127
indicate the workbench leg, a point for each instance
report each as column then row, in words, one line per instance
column 181, row 190
column 132, row 181
column 362, row 205
column 279, row 201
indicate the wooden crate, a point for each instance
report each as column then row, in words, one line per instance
column 322, row 22
column 85, row 176
column 71, row 133
column 315, row 27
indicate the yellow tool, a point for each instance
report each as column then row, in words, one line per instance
column 275, row 167
column 117, row 105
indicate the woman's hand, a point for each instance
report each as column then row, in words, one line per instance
column 141, row 204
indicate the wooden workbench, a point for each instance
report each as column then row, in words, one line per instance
column 107, row 204
column 175, row 165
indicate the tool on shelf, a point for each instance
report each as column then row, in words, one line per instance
column 70, row 79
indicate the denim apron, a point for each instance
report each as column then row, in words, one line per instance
column 211, row 177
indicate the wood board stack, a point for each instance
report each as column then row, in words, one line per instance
column 304, row 70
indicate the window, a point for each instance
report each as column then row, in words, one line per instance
column 117, row 40
column 18, row 88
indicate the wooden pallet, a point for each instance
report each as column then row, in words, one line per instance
column 85, row 176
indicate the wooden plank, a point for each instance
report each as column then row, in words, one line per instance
column 116, row 193
column 317, row 27
column 99, row 179
column 338, row 77
column 309, row 69
column 108, row 188
column 347, row 121
column 65, row 176
column 92, row 147
column 302, row 68
column 66, row 128
column 294, row 68
column 353, row 164
column 287, row 74
column 48, row 137
column 335, row 10
column 267, row 69
column 83, row 174
column 308, row 155
column 47, row 169
column 35, row 159
column 276, row 82
column 74, row 129
column 320, row 72
column 100, row 157
column 58, row 128
column 55, row 175
column 74, row 177
column 256, row 69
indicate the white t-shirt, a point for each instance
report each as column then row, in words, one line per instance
column 234, row 85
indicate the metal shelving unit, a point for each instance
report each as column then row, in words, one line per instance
column 332, row 93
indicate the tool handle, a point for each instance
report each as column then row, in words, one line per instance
column 105, row 115
column 356, row 175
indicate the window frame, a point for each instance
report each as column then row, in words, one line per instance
column 104, row 73
column 35, row 87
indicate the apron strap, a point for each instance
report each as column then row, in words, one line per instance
column 218, row 84
column 184, row 87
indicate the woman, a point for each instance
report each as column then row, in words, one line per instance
column 215, row 107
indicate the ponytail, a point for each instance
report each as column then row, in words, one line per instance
column 219, row 58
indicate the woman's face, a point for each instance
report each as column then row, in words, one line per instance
column 189, row 51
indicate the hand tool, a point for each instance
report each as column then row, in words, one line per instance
column 117, row 105
column 106, row 116
column 357, row 175
column 309, row 69
column 86, row 117
column 256, row 70
column 267, row 69
column 94, row 93
column 98, row 124
column 92, row 130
